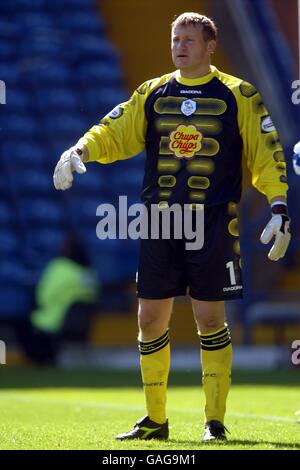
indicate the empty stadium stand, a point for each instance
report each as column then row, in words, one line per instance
column 62, row 75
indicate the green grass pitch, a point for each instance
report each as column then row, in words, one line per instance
column 64, row 409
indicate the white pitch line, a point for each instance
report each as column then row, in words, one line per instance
column 265, row 418
column 60, row 401
column 122, row 406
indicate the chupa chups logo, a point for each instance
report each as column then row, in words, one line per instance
column 185, row 141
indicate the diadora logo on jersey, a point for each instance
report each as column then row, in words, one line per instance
column 267, row 124
column 191, row 92
column 185, row 141
column 188, row 107
column 116, row 112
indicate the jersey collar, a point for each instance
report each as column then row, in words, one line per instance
column 196, row 81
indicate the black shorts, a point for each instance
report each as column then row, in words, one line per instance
column 167, row 269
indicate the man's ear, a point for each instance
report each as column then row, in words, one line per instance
column 211, row 47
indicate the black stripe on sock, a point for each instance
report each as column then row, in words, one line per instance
column 215, row 341
column 154, row 341
column 215, row 348
column 153, row 347
column 144, row 353
column 148, row 347
column 213, row 335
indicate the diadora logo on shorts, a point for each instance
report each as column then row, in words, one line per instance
column 185, row 141
column 231, row 288
column 267, row 124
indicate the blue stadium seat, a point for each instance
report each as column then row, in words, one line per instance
column 92, row 72
column 46, row 72
column 94, row 182
column 10, row 73
column 121, row 248
column 21, row 125
column 36, row 259
column 32, row 182
column 83, row 209
column 81, row 21
column 44, row 212
column 31, row 5
column 72, row 5
column 107, row 267
column 12, row 272
column 23, row 153
column 103, row 99
column 94, row 246
column 9, row 241
column 45, row 240
column 7, row 213
column 116, row 246
column 44, row 43
column 58, row 146
column 6, row 8
column 15, row 301
column 7, row 50
column 57, row 99
column 111, row 268
column 4, row 184
column 8, row 28
column 88, row 237
column 130, row 180
column 66, row 125
column 31, row 20
column 136, row 162
column 18, row 101
column 90, row 46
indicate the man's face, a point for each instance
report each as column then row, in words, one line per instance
column 189, row 50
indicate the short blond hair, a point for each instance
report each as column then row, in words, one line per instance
column 209, row 28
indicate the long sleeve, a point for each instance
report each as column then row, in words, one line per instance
column 120, row 134
column 261, row 143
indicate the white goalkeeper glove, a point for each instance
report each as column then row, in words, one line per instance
column 68, row 162
column 296, row 158
column 279, row 226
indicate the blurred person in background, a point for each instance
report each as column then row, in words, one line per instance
column 196, row 125
column 65, row 296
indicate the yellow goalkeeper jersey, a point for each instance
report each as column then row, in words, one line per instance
column 195, row 133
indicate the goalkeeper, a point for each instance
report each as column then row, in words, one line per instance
column 196, row 124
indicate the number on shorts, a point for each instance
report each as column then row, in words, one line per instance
column 230, row 266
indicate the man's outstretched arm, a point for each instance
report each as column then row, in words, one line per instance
column 119, row 135
column 266, row 161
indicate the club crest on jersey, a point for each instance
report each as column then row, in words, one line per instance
column 185, row 141
column 116, row 112
column 188, row 107
column 267, row 124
